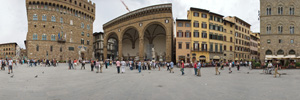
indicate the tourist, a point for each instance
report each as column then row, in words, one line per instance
column 159, row 65
column 92, row 65
column 106, row 63
column 168, row 66
column 230, row 66
column 118, row 66
column 139, row 66
column 198, row 68
column 182, row 68
column 222, row 65
column 97, row 66
column 2, row 61
column 70, row 64
column 54, row 62
column 83, row 64
column 250, row 65
column 101, row 66
column 238, row 66
column 172, row 66
column 195, row 67
column 131, row 65
column 233, row 64
column 217, row 65
column 123, row 63
column 10, row 66
column 276, row 72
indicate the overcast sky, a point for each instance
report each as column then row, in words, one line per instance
column 13, row 19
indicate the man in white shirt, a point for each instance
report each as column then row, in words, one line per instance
column 10, row 65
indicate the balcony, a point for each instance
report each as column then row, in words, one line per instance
column 61, row 41
column 199, row 50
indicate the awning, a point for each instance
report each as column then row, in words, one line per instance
column 216, row 57
column 202, row 58
column 290, row 56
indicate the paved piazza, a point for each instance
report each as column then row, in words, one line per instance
column 59, row 83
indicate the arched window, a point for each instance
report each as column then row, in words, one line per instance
column 82, row 33
column 88, row 27
column 82, row 41
column 35, row 17
column 53, row 19
column 292, row 52
column 268, row 29
column 280, row 52
column 52, row 37
column 61, row 20
column 44, row 17
column 37, row 47
column 269, row 10
column 34, row 37
column 280, row 29
column 292, row 10
column 82, row 25
column 292, row 29
column 44, row 37
column 280, row 10
column 268, row 52
column 51, row 48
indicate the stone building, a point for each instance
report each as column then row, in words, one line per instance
column 242, row 38
column 254, row 46
column 142, row 34
column 60, row 29
column 98, row 46
column 212, row 36
column 8, row 50
column 183, row 40
column 280, row 33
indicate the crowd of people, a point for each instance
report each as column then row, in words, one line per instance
column 138, row 65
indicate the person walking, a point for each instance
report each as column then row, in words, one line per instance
column 198, row 68
column 92, row 65
column 172, row 66
column 168, row 66
column 118, row 66
column 159, row 65
column 123, row 63
column 230, row 66
column 106, row 64
column 97, row 66
column 217, row 64
column 101, row 65
column 182, row 68
column 276, row 72
column 83, row 64
column 10, row 66
column 139, row 64
column 70, row 64
column 195, row 67
column 2, row 61
column 250, row 65
column 238, row 66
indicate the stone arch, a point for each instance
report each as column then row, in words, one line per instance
column 269, row 52
column 130, row 42
column 280, row 52
column 155, row 37
column 292, row 52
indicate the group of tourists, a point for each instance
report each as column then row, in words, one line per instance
column 42, row 62
column 7, row 62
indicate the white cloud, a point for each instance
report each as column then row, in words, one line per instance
column 13, row 19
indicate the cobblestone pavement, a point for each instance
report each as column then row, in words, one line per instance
column 59, row 83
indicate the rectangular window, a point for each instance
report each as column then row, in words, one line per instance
column 211, row 17
column 196, row 24
column 196, row 14
column 280, row 41
column 187, row 34
column 87, row 42
column 216, row 47
column 179, row 25
column 179, row 45
column 187, row 24
column 221, row 48
column 204, row 34
column 179, row 34
column 71, row 48
column 61, row 20
column 196, row 34
column 292, row 30
column 292, row 41
column 44, row 18
column 204, row 25
column 187, row 45
column 211, row 47
column 204, row 16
